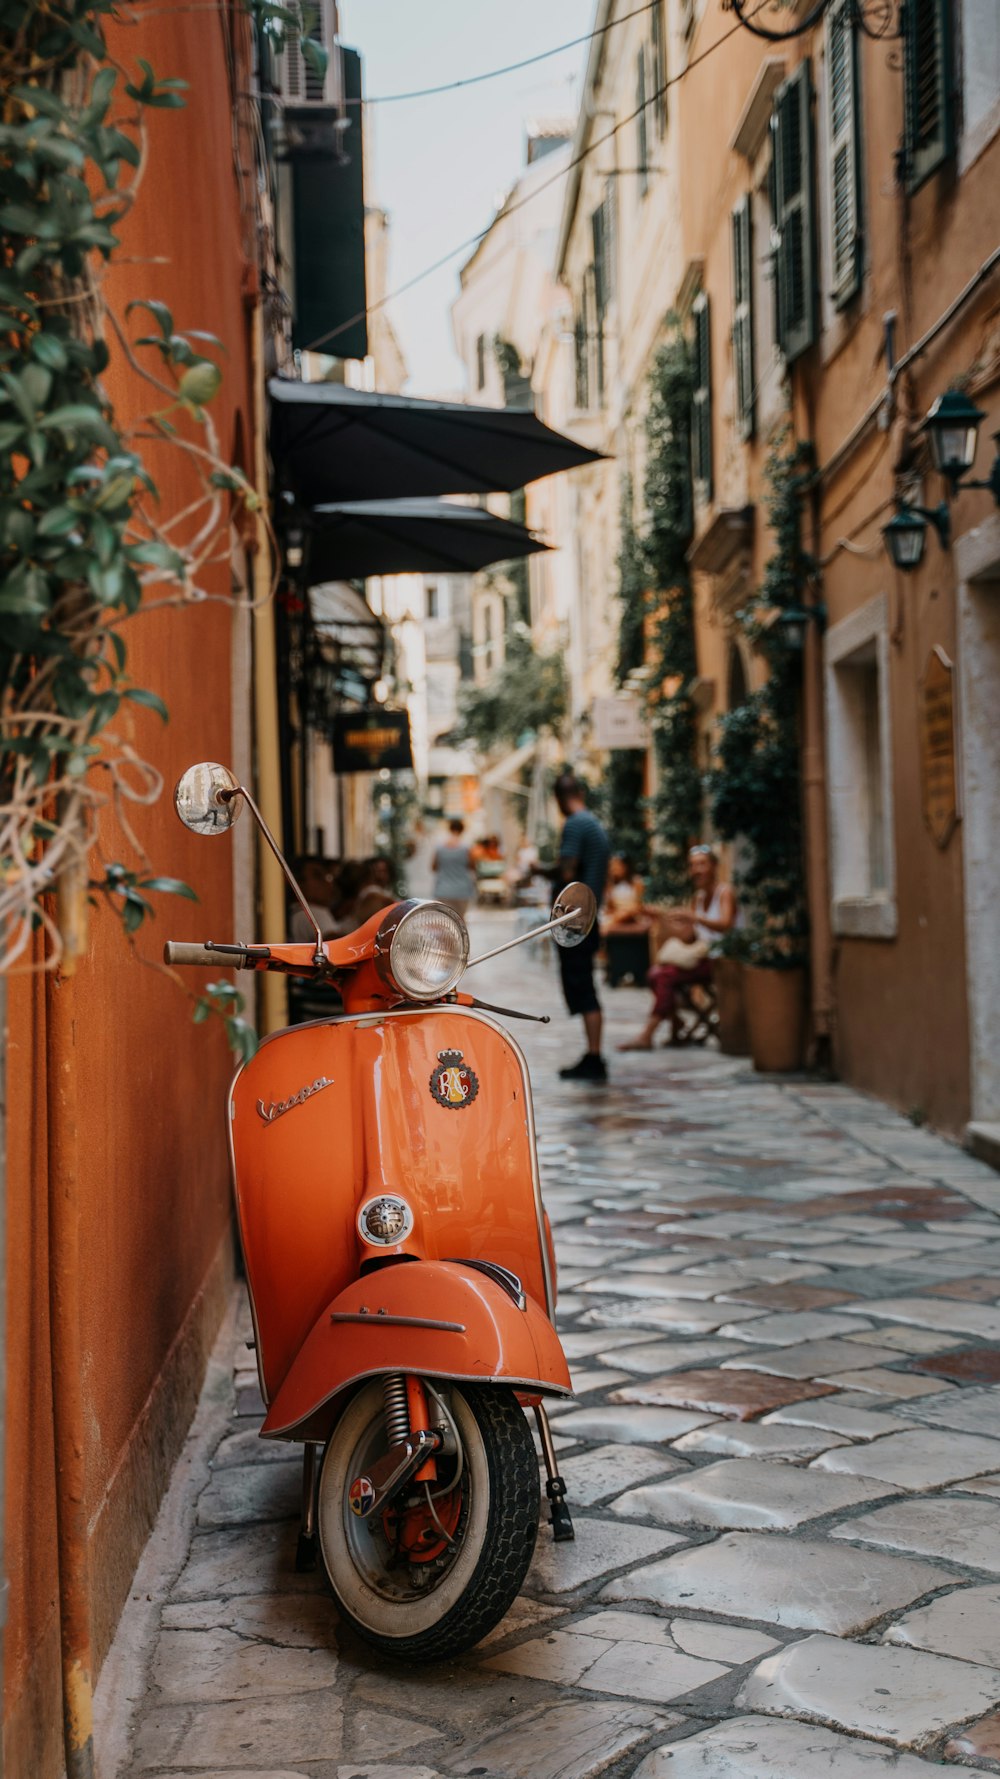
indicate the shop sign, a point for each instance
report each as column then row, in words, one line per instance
column 368, row 740
column 937, row 747
column 619, row 722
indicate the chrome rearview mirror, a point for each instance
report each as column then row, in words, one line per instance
column 208, row 798
column 573, row 914
column 580, row 903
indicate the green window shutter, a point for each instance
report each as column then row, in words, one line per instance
column 844, row 140
column 658, row 25
column 642, row 134
column 795, row 259
column 743, row 317
column 928, row 125
column 581, row 349
column 701, row 406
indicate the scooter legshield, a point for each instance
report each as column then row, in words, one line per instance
column 439, row 1319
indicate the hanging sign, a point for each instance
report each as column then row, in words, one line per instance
column 937, row 747
column 619, row 722
column 367, row 740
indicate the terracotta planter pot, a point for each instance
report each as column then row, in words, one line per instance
column 733, row 1034
column 776, row 1015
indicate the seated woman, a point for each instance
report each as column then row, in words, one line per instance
column 698, row 928
column 623, row 911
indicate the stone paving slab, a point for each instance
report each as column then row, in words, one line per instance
column 759, row 1748
column 950, row 1526
column 562, row 1741
column 918, row 1460
column 803, row 1584
column 896, row 1695
column 746, row 1492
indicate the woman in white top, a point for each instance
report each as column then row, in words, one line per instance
column 711, row 914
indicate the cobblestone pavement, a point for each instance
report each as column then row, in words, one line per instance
column 781, row 1304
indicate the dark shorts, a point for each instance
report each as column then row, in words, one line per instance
column 576, row 965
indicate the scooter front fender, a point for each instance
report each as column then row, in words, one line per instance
column 439, row 1318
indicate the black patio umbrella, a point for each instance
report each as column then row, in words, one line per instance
column 351, row 539
column 331, row 443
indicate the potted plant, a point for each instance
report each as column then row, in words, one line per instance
column 755, row 798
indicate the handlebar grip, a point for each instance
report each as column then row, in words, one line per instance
column 176, row 951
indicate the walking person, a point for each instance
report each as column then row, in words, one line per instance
column 584, row 853
column 454, row 877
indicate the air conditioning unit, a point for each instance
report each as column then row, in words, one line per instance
column 299, row 85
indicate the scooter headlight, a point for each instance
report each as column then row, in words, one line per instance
column 422, row 948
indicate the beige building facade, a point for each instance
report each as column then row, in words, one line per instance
column 821, row 213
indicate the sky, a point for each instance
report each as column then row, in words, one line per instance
column 439, row 166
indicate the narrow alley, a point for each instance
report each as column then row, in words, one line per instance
column 781, row 1303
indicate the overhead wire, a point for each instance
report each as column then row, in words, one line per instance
column 545, row 55
column 512, row 208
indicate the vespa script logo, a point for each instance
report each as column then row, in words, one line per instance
column 453, row 1084
column 278, row 1108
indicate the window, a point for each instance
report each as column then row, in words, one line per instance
column 980, row 76
column 743, row 354
column 433, row 602
column 658, row 25
column 795, row 251
column 859, row 738
column 603, row 229
column 641, row 128
column 582, row 354
column 927, row 64
column 843, row 145
column 701, row 406
column 481, row 361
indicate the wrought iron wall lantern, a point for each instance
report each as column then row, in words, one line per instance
column 952, row 432
column 794, row 620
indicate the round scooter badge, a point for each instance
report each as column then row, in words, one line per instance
column 360, row 1495
column 453, row 1083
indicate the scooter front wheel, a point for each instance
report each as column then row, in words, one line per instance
column 428, row 1577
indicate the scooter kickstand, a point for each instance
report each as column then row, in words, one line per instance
column 305, row 1554
column 555, row 1487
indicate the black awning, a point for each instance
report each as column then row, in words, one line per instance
column 346, row 541
column 330, row 443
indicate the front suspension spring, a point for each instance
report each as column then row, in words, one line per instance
column 397, row 1413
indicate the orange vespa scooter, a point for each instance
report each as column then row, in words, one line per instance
column 399, row 1262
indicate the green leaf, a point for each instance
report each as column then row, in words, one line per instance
column 202, row 1011
column 10, row 432
column 78, row 417
column 157, row 555
column 50, row 351
column 58, row 521
column 159, row 311
column 170, row 886
column 120, row 651
column 199, row 384
column 105, row 707
column 139, row 695
column 314, row 56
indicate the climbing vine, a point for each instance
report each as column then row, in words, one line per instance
column 81, row 536
column 676, row 803
column 526, row 697
column 754, row 782
column 622, row 798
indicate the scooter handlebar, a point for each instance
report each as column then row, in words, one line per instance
column 177, row 951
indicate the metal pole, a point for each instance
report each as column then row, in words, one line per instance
column 268, row 752
column 68, row 1411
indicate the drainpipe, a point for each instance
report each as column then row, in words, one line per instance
column 274, row 997
column 815, row 799
column 65, row 1297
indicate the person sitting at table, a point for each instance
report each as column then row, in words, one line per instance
column 693, row 937
column 623, row 899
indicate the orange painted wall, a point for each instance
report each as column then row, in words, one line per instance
column 155, row 1239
